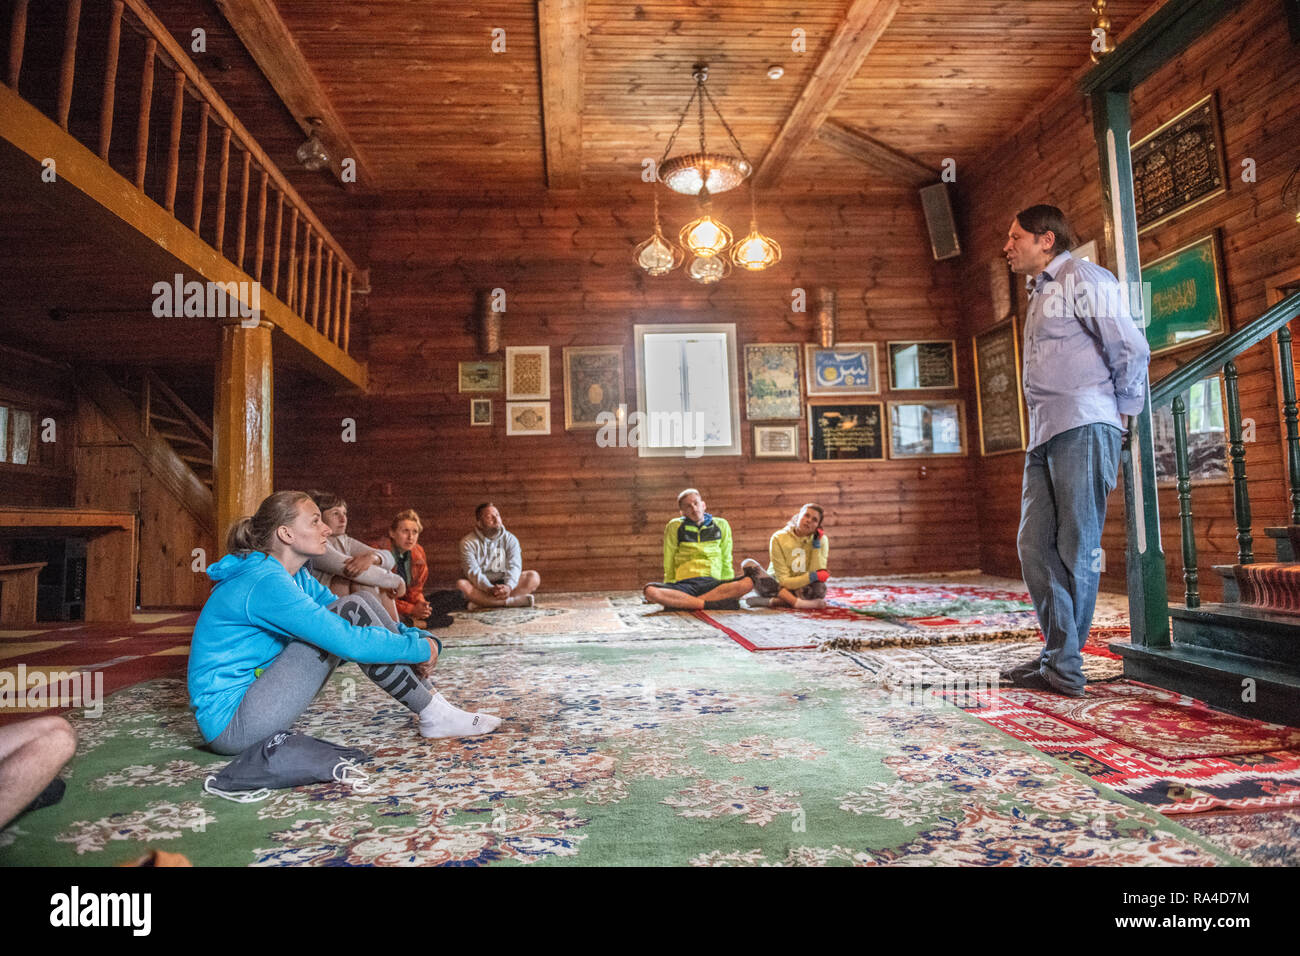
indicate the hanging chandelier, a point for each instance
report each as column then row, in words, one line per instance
column 702, row 174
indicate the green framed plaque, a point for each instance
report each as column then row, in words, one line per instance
column 997, row 389
column 1183, row 293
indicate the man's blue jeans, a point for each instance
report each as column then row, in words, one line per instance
column 1062, row 510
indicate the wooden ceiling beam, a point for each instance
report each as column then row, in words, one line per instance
column 263, row 32
column 880, row 157
column 865, row 21
column 561, row 30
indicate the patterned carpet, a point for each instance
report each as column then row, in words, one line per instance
column 873, row 612
column 647, row 752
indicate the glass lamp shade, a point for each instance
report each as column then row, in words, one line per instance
column 657, row 255
column 312, row 154
column 705, row 236
column 693, row 172
column 709, row 269
column 756, row 251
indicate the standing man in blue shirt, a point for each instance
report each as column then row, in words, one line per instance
column 1085, row 374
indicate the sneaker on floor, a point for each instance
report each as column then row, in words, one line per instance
column 1020, row 670
column 764, row 583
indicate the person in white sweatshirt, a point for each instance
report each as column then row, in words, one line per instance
column 492, row 565
column 349, row 565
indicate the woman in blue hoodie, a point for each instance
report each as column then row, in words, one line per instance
column 267, row 639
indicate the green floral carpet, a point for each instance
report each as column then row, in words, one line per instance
column 675, row 752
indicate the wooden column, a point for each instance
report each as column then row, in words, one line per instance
column 242, row 434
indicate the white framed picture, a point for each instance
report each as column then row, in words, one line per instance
column 528, row 418
column 528, row 372
column 480, row 411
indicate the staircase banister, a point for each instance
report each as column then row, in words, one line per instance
column 176, row 53
column 1223, row 352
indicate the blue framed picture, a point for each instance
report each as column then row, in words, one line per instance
column 847, row 369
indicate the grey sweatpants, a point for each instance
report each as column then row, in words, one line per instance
column 276, row 699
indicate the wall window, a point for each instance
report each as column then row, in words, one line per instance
column 687, row 393
column 15, row 435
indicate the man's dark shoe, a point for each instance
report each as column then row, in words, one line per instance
column 1020, row 670
column 1036, row 681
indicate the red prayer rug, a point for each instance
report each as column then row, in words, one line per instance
column 1161, row 722
column 1259, row 781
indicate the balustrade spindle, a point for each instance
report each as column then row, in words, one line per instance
column 243, row 209
column 335, row 314
column 304, row 272
column 69, row 64
column 110, row 80
column 347, row 314
column 328, row 327
column 260, row 247
column 1289, row 412
column 1191, row 577
column 17, row 37
column 275, row 247
column 315, row 285
column 291, row 273
column 1237, row 451
column 224, row 177
column 146, row 102
column 174, row 145
column 200, row 168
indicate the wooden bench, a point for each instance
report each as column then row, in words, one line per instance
column 18, row 594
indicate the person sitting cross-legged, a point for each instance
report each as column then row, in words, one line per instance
column 492, row 564
column 697, row 561
column 799, row 553
column 348, row 565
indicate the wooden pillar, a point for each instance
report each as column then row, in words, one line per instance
column 241, row 451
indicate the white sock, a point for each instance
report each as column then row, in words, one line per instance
column 523, row 600
column 805, row 604
column 471, row 606
column 440, row 719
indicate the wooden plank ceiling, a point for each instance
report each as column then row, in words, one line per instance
column 434, row 109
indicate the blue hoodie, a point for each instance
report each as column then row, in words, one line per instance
column 253, row 613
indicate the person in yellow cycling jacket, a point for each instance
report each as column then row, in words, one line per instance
column 698, row 569
column 797, row 574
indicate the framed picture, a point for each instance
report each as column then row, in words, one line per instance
column 480, row 376
column 776, row 441
column 528, row 418
column 927, row 429
column 1186, row 302
column 1179, row 166
column 480, row 411
column 1002, row 286
column 1087, row 251
column 848, row 369
column 997, row 389
column 593, row 383
column 917, row 365
column 1207, row 440
column 771, row 382
column 844, row 432
column 528, row 372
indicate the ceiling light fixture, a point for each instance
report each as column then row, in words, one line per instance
column 312, row 154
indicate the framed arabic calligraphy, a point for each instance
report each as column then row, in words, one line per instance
column 1185, row 302
column 1178, row 166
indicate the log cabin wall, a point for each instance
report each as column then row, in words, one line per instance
column 592, row 518
column 1251, row 61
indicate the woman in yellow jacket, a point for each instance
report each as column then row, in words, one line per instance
column 797, row 574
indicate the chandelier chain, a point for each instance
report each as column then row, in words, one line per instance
column 732, row 136
column 673, row 138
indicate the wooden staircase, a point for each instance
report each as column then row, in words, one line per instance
column 165, row 414
column 1241, row 655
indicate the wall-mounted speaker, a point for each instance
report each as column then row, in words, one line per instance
column 938, row 218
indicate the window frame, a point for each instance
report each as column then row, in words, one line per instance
column 733, row 387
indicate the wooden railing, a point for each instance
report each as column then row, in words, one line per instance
column 308, row 269
column 1220, row 357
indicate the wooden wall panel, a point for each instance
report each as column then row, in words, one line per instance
column 42, row 387
column 1052, row 158
column 592, row 518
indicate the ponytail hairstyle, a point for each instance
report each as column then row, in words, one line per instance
column 258, row 532
column 794, row 518
column 325, row 500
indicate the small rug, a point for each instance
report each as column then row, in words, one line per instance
column 864, row 613
column 1266, row 838
column 1162, row 722
column 965, row 664
column 573, row 618
column 1264, row 781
